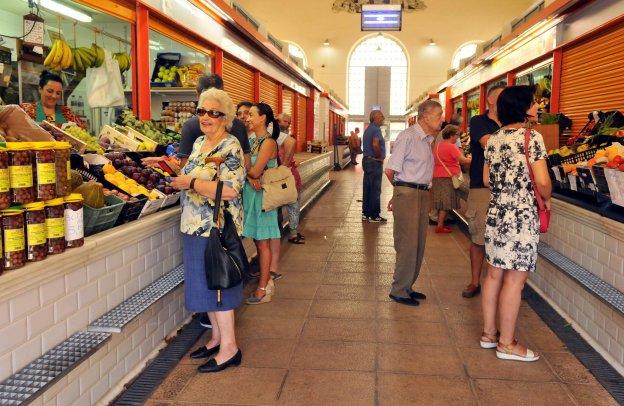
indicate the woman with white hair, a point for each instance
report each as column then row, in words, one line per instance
column 217, row 155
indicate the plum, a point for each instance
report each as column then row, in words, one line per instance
column 168, row 190
column 136, row 177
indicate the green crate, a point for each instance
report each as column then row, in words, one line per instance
column 97, row 220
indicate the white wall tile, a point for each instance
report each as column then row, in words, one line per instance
column 117, row 373
column 97, row 309
column 53, row 336
column 106, row 284
column 99, row 389
column 69, row 394
column 144, row 246
column 75, row 279
column 123, row 275
column 87, row 294
column 130, row 254
column 25, row 353
column 114, row 262
column 131, row 287
column 52, row 290
column 13, row 335
column 89, row 378
column 115, row 297
column 6, row 368
column 24, row 303
column 138, row 267
column 64, row 307
column 5, row 315
column 96, row 269
column 78, row 321
column 40, row 320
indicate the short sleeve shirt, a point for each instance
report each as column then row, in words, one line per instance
column 447, row 154
column 373, row 132
column 479, row 126
column 411, row 157
column 191, row 130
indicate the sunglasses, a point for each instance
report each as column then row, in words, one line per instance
column 211, row 113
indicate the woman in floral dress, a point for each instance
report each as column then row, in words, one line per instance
column 512, row 223
column 216, row 155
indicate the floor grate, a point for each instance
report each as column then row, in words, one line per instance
column 155, row 373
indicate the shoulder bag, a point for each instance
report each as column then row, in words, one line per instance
column 542, row 212
column 225, row 259
column 279, row 187
column 457, row 180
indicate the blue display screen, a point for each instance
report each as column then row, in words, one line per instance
column 381, row 19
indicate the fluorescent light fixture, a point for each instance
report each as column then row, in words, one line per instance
column 64, row 10
column 432, row 43
column 326, row 42
column 217, row 10
column 377, row 17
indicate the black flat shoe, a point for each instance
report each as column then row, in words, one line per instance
column 408, row 301
column 212, row 366
column 203, row 352
column 418, row 295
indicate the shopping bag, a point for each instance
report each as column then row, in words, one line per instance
column 104, row 88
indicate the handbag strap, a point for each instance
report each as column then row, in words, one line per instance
column 437, row 147
column 215, row 213
column 538, row 196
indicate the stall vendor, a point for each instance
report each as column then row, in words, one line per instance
column 51, row 90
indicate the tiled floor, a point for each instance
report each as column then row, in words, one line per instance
column 332, row 336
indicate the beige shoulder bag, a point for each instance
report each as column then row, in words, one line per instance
column 457, row 180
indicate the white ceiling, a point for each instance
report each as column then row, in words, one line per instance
column 450, row 23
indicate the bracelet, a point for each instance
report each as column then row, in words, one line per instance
column 192, row 184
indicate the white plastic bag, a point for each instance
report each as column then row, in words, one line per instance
column 104, row 88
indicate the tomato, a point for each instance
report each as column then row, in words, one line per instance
column 621, row 167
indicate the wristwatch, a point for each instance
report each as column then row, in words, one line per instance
column 192, row 184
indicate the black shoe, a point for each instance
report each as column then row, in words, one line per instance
column 409, row 301
column 212, row 366
column 418, row 295
column 377, row 219
column 203, row 352
column 204, row 321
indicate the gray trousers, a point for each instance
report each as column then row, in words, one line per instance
column 410, row 209
column 294, row 212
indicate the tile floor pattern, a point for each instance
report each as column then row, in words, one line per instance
column 332, row 336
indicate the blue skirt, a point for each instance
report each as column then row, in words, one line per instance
column 197, row 296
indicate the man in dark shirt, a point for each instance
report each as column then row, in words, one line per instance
column 481, row 127
column 374, row 148
column 191, row 129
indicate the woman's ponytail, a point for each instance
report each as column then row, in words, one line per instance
column 276, row 130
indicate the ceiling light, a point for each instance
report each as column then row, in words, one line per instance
column 326, row 42
column 432, row 43
column 66, row 11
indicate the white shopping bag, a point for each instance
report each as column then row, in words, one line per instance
column 104, row 88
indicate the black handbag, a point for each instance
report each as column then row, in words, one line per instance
column 225, row 257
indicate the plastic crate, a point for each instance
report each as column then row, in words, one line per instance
column 131, row 211
column 98, row 220
column 580, row 156
column 587, row 180
column 599, row 177
column 166, row 59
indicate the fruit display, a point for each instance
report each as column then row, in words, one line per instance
column 60, row 56
column 83, row 135
column 88, row 57
column 144, row 176
column 148, row 129
column 166, row 74
column 175, row 114
column 189, row 74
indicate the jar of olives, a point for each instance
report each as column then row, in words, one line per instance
column 63, row 174
column 20, row 172
column 44, row 170
column 36, row 234
column 13, row 237
column 5, row 180
column 74, row 221
column 55, row 225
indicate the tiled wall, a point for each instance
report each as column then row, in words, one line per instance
column 597, row 244
column 42, row 316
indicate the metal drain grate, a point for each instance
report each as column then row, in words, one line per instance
column 116, row 319
column 596, row 286
column 154, row 374
column 25, row 385
column 608, row 377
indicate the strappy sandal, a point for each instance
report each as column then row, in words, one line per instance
column 489, row 341
column 253, row 300
column 506, row 352
column 296, row 240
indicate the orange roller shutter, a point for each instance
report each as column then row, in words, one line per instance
column 301, row 123
column 287, row 101
column 591, row 76
column 268, row 92
column 237, row 80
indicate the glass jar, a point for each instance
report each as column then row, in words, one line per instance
column 20, row 172
column 13, row 237
column 55, row 225
column 5, row 180
column 63, row 173
column 36, row 233
column 74, row 221
column 44, row 170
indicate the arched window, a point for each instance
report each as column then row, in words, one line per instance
column 296, row 52
column 379, row 50
column 465, row 51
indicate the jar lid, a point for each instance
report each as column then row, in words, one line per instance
column 12, row 211
column 34, row 206
column 62, row 145
column 54, row 202
column 18, row 146
column 43, row 145
column 73, row 198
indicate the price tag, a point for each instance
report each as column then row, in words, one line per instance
column 555, row 170
column 572, row 182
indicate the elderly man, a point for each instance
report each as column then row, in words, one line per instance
column 410, row 169
column 374, row 147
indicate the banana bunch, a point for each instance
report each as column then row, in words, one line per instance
column 60, row 56
column 124, row 59
column 88, row 57
column 99, row 55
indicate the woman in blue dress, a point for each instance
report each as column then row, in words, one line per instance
column 216, row 155
column 259, row 225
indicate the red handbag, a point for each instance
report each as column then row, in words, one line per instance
column 542, row 212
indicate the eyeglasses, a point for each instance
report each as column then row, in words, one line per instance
column 211, row 113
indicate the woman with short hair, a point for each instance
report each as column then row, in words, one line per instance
column 512, row 223
column 216, row 155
